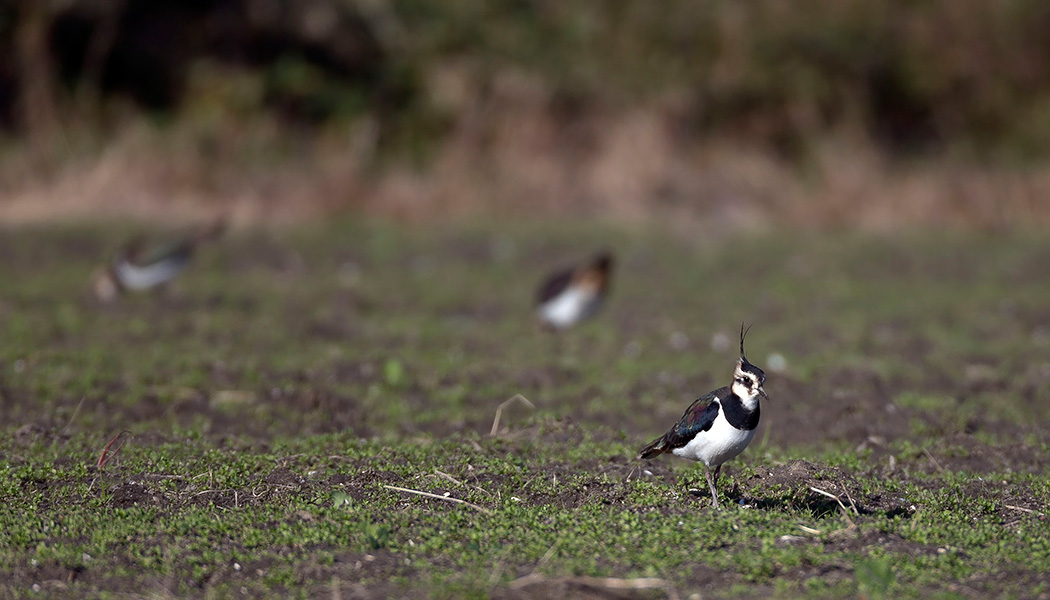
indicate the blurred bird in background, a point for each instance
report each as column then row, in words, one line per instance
column 569, row 296
column 140, row 265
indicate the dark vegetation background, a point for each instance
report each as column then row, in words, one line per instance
column 866, row 113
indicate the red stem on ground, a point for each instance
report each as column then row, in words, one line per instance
column 106, row 454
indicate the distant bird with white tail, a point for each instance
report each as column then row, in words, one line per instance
column 569, row 296
column 138, row 266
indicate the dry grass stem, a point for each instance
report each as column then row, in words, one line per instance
column 933, row 460
column 437, row 497
column 76, row 412
column 501, row 565
column 506, row 403
column 445, row 475
column 845, row 511
column 1023, row 509
column 600, row 583
column 107, row 454
column 852, row 504
column 546, row 556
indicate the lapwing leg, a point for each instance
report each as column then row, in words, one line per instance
column 718, row 470
column 714, row 490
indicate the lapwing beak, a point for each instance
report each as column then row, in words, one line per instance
column 762, row 392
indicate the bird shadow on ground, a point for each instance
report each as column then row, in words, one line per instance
column 816, row 488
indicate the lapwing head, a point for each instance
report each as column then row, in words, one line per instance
column 132, row 250
column 596, row 275
column 603, row 262
column 748, row 379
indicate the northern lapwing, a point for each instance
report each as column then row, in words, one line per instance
column 718, row 425
column 139, row 266
column 571, row 295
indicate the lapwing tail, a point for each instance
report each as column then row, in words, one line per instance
column 655, row 448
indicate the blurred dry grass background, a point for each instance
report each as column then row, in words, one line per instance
column 756, row 114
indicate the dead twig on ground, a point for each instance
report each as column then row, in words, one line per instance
column 1023, row 509
column 437, row 497
column 845, row 511
column 851, row 502
column 445, row 475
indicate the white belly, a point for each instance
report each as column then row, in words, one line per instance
column 569, row 307
column 716, row 445
column 142, row 278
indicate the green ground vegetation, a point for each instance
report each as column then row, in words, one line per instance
column 273, row 400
